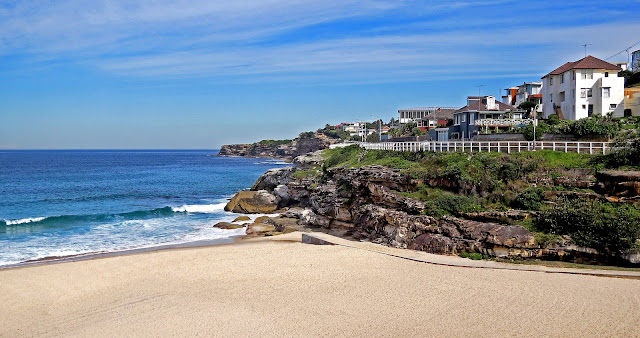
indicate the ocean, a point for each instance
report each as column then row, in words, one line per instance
column 65, row 203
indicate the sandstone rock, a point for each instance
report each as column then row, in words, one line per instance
column 227, row 225
column 618, row 183
column 309, row 160
column 260, row 229
column 253, row 202
column 437, row 244
column 282, row 193
column 273, row 178
column 242, row 219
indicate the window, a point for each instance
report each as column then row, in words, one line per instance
column 613, row 106
column 584, row 106
column 551, row 80
column 562, row 96
column 457, row 119
column 586, row 92
column 472, row 118
column 551, row 97
column 587, row 74
column 606, row 92
column 573, row 74
column 463, row 118
column 590, row 110
column 606, row 74
column 562, row 78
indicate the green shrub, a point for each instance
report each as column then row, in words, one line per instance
column 607, row 227
column 530, row 199
column 464, row 254
column 447, row 204
column 544, row 240
column 591, row 127
column 476, row 256
column 307, row 134
column 274, row 143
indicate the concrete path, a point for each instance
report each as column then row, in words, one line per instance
column 420, row 256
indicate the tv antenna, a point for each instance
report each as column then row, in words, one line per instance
column 480, row 88
column 585, row 48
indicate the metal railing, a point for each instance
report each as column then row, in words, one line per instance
column 492, row 146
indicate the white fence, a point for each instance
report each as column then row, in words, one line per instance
column 492, row 146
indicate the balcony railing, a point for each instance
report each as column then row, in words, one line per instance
column 504, row 122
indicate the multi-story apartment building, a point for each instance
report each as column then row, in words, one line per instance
column 528, row 91
column 425, row 117
column 582, row 89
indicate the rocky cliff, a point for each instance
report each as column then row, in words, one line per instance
column 366, row 204
column 287, row 150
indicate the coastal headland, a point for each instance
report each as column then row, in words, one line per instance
column 538, row 205
column 277, row 286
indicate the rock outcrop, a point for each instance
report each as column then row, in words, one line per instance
column 619, row 185
column 370, row 203
column 253, row 202
column 287, row 150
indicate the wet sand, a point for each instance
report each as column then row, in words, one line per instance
column 276, row 288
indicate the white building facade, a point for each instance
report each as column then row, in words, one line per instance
column 416, row 115
column 583, row 88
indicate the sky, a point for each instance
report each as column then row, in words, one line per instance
column 177, row 74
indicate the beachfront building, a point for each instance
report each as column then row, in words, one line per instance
column 528, row 91
column 354, row 128
column 632, row 101
column 426, row 117
column 583, row 88
column 483, row 113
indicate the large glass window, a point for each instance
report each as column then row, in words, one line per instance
column 606, row 92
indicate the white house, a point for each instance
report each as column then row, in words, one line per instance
column 582, row 89
column 528, row 91
column 420, row 114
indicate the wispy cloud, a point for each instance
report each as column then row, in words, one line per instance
column 272, row 40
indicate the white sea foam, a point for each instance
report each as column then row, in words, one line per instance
column 23, row 220
column 200, row 208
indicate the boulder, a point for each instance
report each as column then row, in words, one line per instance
column 253, row 202
column 273, row 178
column 282, row 193
column 309, row 160
column 260, row 229
column 436, row 244
column 228, row 226
column 241, row 219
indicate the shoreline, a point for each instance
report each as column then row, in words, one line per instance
column 124, row 252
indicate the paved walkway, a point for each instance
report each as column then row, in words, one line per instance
column 420, row 256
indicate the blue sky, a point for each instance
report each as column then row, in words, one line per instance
column 198, row 74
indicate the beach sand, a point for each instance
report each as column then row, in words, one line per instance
column 278, row 288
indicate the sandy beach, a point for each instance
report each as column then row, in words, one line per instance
column 281, row 288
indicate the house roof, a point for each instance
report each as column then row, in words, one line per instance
column 588, row 62
column 479, row 106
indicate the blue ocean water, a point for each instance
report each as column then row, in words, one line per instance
column 59, row 203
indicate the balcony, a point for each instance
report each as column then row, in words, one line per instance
column 503, row 122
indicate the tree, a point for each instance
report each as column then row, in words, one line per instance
column 527, row 105
column 373, row 138
column 630, row 78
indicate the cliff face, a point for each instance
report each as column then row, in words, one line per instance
column 362, row 203
column 287, row 151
